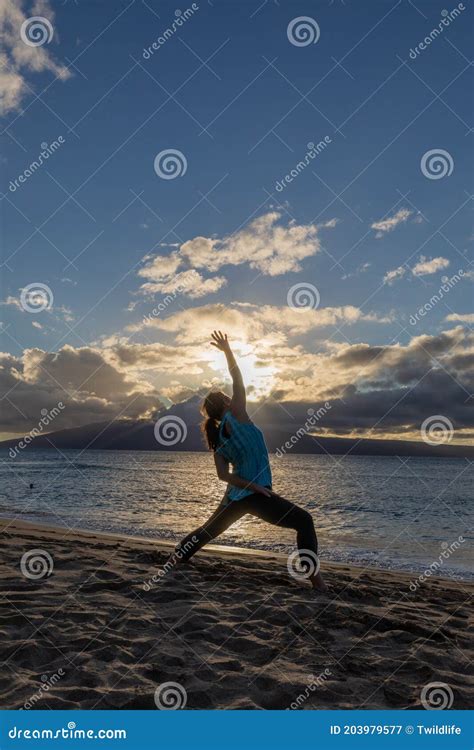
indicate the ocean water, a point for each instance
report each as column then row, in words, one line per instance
column 379, row 511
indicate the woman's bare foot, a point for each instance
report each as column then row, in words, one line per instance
column 318, row 584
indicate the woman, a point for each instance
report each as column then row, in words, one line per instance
column 235, row 440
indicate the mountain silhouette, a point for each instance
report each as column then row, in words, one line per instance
column 178, row 429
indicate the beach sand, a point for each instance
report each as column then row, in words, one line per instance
column 232, row 628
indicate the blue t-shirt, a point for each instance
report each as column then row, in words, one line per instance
column 245, row 449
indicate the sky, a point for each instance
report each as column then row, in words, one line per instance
column 295, row 173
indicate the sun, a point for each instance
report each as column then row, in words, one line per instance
column 259, row 380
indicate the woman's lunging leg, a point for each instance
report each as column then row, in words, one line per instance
column 216, row 524
column 281, row 512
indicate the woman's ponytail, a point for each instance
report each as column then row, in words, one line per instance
column 212, row 409
column 210, row 428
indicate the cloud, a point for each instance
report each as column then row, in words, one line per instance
column 426, row 267
column 245, row 321
column 388, row 225
column 392, row 276
column 457, row 317
column 86, row 380
column 58, row 311
column 12, row 302
column 360, row 269
column 190, row 283
column 160, row 267
column 18, row 58
column 378, row 390
column 266, row 245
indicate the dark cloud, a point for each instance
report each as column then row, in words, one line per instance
column 387, row 390
column 91, row 389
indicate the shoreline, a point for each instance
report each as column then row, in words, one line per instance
column 11, row 443
column 232, row 628
column 215, row 549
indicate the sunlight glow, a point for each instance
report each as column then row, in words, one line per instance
column 259, row 381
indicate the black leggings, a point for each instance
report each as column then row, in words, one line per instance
column 275, row 510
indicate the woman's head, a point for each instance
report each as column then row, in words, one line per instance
column 213, row 409
column 215, row 404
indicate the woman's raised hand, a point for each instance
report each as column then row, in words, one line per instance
column 219, row 340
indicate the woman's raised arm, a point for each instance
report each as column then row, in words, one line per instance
column 239, row 400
